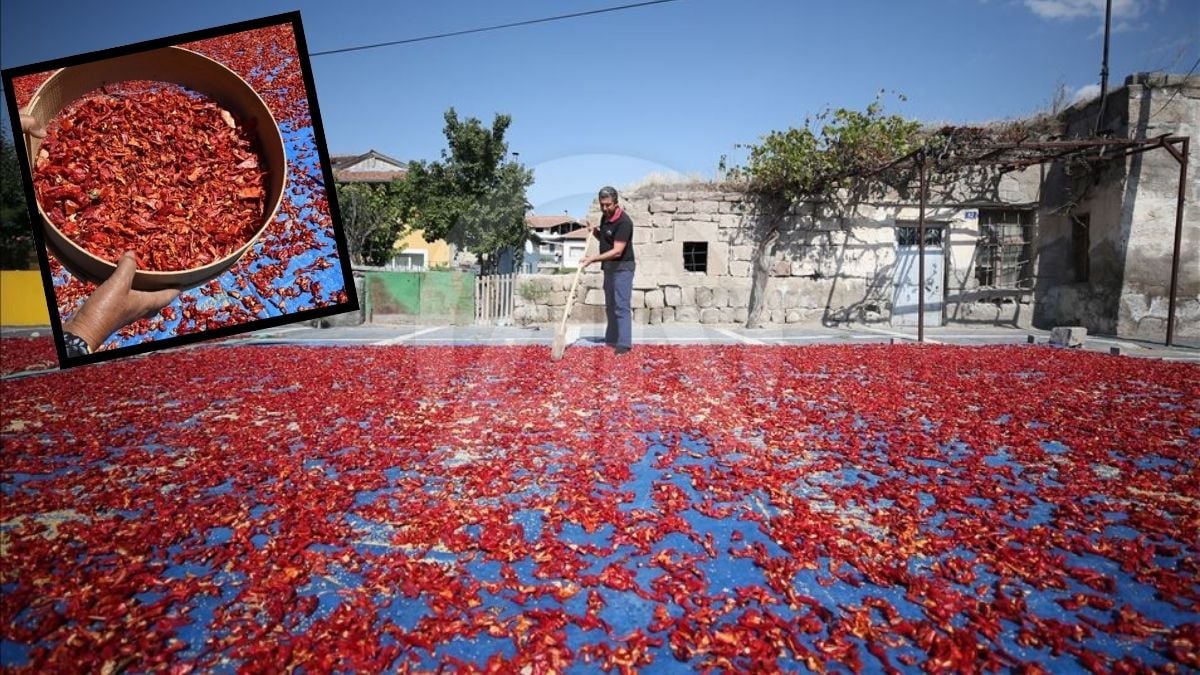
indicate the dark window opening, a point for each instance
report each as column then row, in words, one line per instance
column 1080, row 244
column 1005, row 248
column 695, row 256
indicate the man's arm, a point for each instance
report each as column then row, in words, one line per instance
column 611, row 254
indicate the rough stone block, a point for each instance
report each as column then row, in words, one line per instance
column 706, row 207
column 653, row 252
column 638, row 299
column 687, row 296
column 720, row 297
column 662, row 206
column 782, row 268
column 710, row 315
column 687, row 314
column 695, row 230
column 704, row 297
column 741, row 253
column 740, row 297
column 672, row 295
column 792, row 316
column 685, row 207
column 668, row 314
column 595, row 296
column 740, row 314
column 1068, row 336
column 656, row 315
column 641, row 315
column 739, row 268
column 642, row 235
column 654, row 299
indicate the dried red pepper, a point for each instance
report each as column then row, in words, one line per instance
column 153, row 168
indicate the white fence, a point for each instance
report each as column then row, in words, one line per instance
column 494, row 298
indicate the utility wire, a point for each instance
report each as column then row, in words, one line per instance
column 515, row 24
column 1172, row 97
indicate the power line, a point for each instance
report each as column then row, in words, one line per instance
column 1172, row 97
column 515, row 24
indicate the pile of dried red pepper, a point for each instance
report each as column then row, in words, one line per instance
column 744, row 508
column 153, row 168
column 294, row 250
column 20, row 354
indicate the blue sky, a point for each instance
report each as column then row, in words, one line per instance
column 663, row 89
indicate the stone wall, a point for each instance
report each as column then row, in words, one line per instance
column 830, row 270
column 1130, row 210
column 826, row 270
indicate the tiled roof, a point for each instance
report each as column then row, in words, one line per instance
column 543, row 222
column 339, row 164
column 366, row 176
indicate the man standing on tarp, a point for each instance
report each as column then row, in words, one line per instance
column 615, row 233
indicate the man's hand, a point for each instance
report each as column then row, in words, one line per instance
column 30, row 125
column 115, row 304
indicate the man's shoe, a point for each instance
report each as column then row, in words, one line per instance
column 621, row 350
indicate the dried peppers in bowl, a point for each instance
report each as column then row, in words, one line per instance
column 164, row 152
column 154, row 168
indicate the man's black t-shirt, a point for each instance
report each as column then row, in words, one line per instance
column 621, row 230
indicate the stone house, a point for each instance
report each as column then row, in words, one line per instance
column 412, row 251
column 1035, row 247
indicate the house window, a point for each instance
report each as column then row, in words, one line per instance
column 411, row 261
column 1004, row 250
column 695, row 256
column 1080, row 245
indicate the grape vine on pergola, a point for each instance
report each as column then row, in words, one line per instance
column 961, row 148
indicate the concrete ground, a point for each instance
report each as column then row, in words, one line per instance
column 587, row 335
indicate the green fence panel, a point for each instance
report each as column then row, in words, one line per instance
column 448, row 296
column 394, row 293
column 434, row 297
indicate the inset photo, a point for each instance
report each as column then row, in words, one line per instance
column 177, row 190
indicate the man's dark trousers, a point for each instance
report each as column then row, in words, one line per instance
column 618, row 296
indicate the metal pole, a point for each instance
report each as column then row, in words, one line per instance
column 1104, row 67
column 921, row 250
column 1183, row 165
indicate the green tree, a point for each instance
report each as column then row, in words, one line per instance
column 16, row 231
column 474, row 197
column 370, row 220
column 821, row 161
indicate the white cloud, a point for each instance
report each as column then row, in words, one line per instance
column 1085, row 93
column 1077, row 9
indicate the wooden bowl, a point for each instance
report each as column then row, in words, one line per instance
column 185, row 68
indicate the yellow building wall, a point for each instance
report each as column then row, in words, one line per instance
column 437, row 253
column 22, row 300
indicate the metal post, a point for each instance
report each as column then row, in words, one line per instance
column 1183, row 165
column 1104, row 69
column 921, row 165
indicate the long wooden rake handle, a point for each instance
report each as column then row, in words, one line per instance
column 574, row 285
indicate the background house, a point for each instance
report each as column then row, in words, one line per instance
column 413, row 252
column 555, row 242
